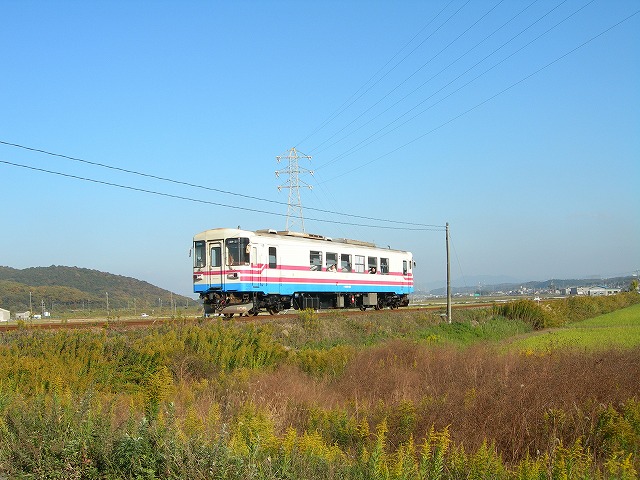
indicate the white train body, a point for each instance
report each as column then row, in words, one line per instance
column 240, row 271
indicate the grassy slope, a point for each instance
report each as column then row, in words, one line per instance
column 69, row 287
column 619, row 329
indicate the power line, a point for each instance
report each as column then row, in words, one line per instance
column 315, row 149
column 481, row 103
column 346, row 103
column 373, row 137
column 424, row 83
column 207, row 202
column 202, row 187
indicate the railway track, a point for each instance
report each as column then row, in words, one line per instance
column 105, row 323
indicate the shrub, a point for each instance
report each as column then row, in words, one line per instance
column 526, row 310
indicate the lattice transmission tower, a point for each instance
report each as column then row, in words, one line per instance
column 293, row 171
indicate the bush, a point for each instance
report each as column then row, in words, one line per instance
column 525, row 310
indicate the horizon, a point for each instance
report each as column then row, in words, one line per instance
column 499, row 280
column 516, row 123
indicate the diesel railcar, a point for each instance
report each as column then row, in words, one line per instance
column 244, row 272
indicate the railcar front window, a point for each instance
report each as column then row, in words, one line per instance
column 237, row 251
column 216, row 256
column 315, row 260
column 384, row 265
column 199, row 254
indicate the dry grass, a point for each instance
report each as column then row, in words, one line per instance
column 515, row 400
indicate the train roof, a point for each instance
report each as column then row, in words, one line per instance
column 235, row 232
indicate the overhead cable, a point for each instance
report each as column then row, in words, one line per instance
column 178, row 182
column 405, row 80
column 207, row 202
column 421, row 85
column 377, row 135
column 348, row 102
column 488, row 99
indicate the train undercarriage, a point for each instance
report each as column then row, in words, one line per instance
column 230, row 303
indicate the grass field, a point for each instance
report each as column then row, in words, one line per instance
column 619, row 329
column 391, row 395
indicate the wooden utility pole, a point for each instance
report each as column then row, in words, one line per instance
column 448, row 277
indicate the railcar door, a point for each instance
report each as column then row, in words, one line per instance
column 216, row 278
column 256, row 266
column 272, row 272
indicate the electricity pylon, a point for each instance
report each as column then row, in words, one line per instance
column 293, row 183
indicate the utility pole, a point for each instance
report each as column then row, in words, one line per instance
column 448, row 276
column 107, row 303
column 30, row 307
column 293, row 170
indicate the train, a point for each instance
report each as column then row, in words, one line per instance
column 246, row 272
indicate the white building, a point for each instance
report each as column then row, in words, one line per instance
column 602, row 291
column 579, row 290
column 594, row 291
column 5, row 315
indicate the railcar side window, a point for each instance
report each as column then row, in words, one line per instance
column 384, row 266
column 273, row 263
column 345, row 262
column 237, row 251
column 404, row 267
column 332, row 262
column 359, row 263
column 315, row 260
column 199, row 254
column 216, row 254
column 372, row 264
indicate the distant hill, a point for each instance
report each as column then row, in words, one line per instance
column 619, row 282
column 67, row 288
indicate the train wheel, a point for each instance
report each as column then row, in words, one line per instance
column 363, row 308
column 228, row 315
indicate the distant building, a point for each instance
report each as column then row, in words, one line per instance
column 579, row 290
column 23, row 316
column 602, row 291
column 596, row 291
column 5, row 315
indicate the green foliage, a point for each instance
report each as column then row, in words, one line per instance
column 323, row 363
column 309, row 319
column 524, row 310
column 69, row 288
column 338, row 427
column 194, row 401
column 568, row 310
column 471, row 331
column 434, row 450
column 619, row 329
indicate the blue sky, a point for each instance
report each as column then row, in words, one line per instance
column 494, row 122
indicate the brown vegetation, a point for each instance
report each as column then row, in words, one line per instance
column 516, row 400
